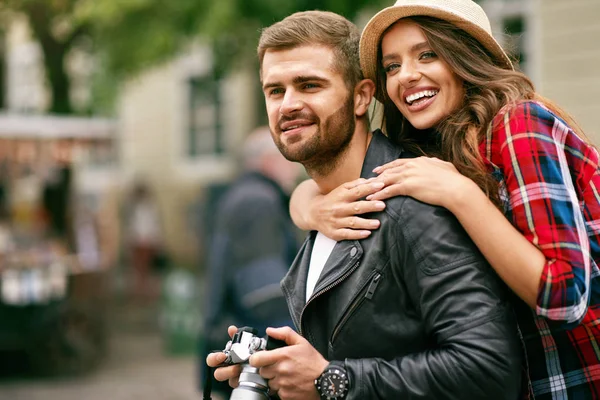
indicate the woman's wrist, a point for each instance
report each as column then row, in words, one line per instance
column 311, row 218
column 461, row 196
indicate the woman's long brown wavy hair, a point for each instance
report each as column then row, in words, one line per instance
column 488, row 88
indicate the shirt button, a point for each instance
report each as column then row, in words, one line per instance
column 353, row 251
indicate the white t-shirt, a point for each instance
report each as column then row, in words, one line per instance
column 320, row 253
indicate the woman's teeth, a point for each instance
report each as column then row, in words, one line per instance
column 416, row 96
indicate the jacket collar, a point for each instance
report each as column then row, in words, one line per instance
column 380, row 151
column 346, row 255
column 344, row 258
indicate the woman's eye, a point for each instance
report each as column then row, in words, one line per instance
column 428, row 54
column 391, row 68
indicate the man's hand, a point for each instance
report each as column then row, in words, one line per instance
column 230, row 373
column 291, row 370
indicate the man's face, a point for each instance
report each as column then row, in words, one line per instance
column 310, row 109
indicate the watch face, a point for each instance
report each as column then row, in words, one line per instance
column 333, row 383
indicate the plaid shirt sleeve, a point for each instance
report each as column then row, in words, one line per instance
column 543, row 161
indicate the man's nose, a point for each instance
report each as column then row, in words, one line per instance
column 291, row 103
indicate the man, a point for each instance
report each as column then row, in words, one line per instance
column 413, row 311
column 253, row 244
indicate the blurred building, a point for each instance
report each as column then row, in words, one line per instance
column 179, row 126
column 557, row 44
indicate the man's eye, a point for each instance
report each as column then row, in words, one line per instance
column 391, row 68
column 310, row 86
column 276, row 91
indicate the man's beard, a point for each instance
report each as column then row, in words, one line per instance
column 323, row 151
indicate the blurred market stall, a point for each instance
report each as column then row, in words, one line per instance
column 58, row 240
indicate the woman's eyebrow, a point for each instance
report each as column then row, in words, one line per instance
column 415, row 47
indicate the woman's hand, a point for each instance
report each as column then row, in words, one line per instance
column 335, row 214
column 427, row 179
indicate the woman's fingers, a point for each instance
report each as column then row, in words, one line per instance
column 392, row 164
column 361, row 191
column 348, row 234
column 355, row 222
column 354, row 183
column 393, row 190
column 357, row 208
column 352, row 228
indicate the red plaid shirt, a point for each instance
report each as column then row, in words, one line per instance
column 550, row 183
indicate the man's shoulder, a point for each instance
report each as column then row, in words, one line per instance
column 407, row 209
column 434, row 235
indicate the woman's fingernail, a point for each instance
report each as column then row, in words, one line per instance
column 369, row 197
column 380, row 205
column 374, row 224
column 365, row 233
column 377, row 185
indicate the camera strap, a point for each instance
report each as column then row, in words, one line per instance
column 208, row 384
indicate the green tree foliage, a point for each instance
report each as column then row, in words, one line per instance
column 56, row 30
column 138, row 33
column 131, row 35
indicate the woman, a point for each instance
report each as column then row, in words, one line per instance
column 510, row 156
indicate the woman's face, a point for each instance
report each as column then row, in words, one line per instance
column 420, row 84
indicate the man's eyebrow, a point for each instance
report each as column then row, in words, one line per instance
column 309, row 78
column 297, row 80
column 271, row 85
column 416, row 47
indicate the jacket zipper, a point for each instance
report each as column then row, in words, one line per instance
column 325, row 289
column 374, row 282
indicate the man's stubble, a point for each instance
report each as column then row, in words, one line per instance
column 324, row 151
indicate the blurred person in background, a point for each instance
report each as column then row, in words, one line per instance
column 252, row 246
column 144, row 240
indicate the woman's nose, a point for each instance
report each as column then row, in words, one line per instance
column 409, row 74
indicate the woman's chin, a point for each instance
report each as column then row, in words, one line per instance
column 423, row 125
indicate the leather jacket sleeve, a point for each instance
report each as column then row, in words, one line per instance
column 475, row 351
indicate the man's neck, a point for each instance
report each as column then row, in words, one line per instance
column 350, row 164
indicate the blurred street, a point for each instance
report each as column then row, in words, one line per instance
column 136, row 367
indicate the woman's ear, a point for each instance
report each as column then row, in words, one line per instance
column 363, row 95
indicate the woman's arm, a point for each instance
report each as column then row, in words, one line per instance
column 302, row 200
column 334, row 214
column 548, row 171
column 515, row 259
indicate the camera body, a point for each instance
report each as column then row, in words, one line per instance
column 238, row 350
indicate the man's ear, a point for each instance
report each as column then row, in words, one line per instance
column 363, row 95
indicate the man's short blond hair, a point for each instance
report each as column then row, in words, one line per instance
column 317, row 28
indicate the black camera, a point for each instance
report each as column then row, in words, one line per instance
column 242, row 345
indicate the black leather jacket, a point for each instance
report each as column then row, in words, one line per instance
column 414, row 310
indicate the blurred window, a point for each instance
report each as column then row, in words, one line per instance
column 204, row 133
column 515, row 28
column 511, row 23
column 2, row 66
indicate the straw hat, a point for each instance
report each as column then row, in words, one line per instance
column 465, row 14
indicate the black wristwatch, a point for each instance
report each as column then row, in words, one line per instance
column 333, row 384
